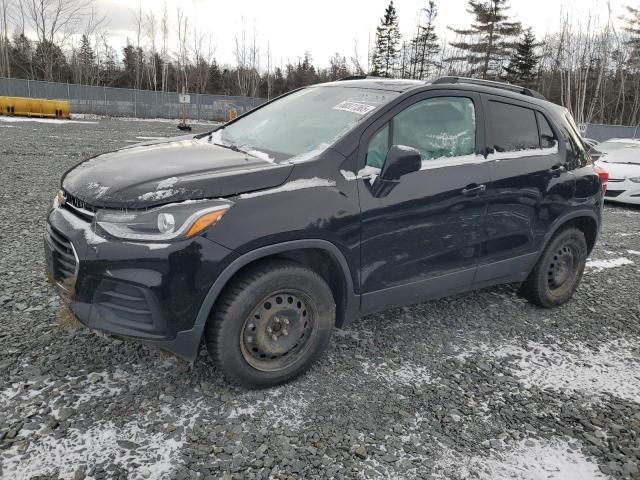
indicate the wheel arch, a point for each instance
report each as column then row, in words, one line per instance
column 315, row 253
column 585, row 220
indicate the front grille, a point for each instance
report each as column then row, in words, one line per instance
column 613, row 193
column 64, row 260
column 78, row 207
column 129, row 307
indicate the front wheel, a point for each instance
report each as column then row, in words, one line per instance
column 271, row 324
column 559, row 270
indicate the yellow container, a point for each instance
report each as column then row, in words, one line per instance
column 34, row 107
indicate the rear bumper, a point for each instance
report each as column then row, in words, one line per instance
column 150, row 292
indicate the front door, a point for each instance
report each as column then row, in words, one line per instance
column 421, row 240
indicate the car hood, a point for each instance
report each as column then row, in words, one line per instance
column 171, row 170
column 620, row 170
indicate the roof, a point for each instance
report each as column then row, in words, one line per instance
column 402, row 85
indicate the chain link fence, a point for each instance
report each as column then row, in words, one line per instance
column 124, row 102
column 602, row 132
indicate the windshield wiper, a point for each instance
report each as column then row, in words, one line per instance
column 231, row 146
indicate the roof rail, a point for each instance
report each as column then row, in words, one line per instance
column 353, row 77
column 490, row 83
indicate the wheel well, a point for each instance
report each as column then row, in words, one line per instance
column 589, row 228
column 320, row 261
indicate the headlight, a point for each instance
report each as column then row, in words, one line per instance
column 169, row 222
column 635, row 179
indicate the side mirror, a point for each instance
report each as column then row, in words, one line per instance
column 400, row 161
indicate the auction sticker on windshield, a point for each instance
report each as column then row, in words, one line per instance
column 354, row 107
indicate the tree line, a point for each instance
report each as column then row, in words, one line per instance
column 589, row 65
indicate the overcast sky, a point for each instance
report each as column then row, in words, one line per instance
column 327, row 26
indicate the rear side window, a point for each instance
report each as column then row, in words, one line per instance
column 514, row 127
column 547, row 137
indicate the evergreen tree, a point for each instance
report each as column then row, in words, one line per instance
column 22, row 56
column 425, row 45
column 86, row 61
column 387, row 48
column 493, row 31
column 522, row 69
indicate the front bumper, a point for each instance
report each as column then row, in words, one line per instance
column 151, row 292
column 624, row 191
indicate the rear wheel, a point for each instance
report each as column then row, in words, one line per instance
column 271, row 324
column 559, row 270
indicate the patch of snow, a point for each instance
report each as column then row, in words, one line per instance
column 527, row 460
column 279, row 408
column 56, row 121
column 299, row 184
column 167, row 183
column 259, row 154
column 90, row 235
column 533, row 152
column 368, row 172
column 100, row 190
column 156, row 455
column 613, row 369
column 159, row 194
column 310, row 155
column 408, row 374
column 633, row 252
column 610, row 263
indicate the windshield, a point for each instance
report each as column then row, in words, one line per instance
column 303, row 123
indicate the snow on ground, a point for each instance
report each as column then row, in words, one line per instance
column 284, row 407
column 408, row 374
column 121, row 443
column 54, row 121
column 609, row 263
column 613, row 368
column 88, row 116
column 527, row 460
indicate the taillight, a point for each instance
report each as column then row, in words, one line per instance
column 604, row 177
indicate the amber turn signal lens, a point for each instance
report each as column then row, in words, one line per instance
column 205, row 221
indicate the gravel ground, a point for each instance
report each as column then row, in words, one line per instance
column 481, row 385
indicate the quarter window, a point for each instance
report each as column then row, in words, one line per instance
column 547, row 137
column 514, row 127
column 378, row 148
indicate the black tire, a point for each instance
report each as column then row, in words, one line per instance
column 241, row 333
column 559, row 270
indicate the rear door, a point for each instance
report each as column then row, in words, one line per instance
column 531, row 186
column 422, row 239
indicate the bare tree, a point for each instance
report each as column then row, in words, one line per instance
column 247, row 56
column 5, row 62
column 54, row 21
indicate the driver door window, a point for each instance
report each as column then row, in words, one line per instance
column 441, row 127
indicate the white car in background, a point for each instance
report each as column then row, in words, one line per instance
column 612, row 145
column 621, row 158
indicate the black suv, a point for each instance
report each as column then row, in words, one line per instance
column 325, row 204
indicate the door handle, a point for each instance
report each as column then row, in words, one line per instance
column 473, row 189
column 558, row 169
